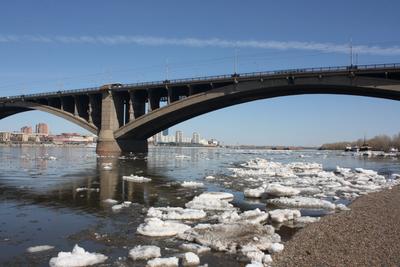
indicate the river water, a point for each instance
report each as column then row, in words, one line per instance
column 40, row 203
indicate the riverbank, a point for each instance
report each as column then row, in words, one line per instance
column 367, row 235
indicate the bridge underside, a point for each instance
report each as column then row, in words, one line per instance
column 119, row 117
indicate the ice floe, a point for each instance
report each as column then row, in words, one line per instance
column 254, row 192
column 190, row 259
column 211, row 201
column 107, row 166
column 39, row 248
column 282, row 215
column 124, row 204
column 157, row 227
column 81, row 189
column 144, row 252
column 192, row 184
column 163, row 262
column 250, row 216
column 230, row 237
column 195, row 248
column 110, row 201
column 302, row 202
column 280, row 190
column 78, row 257
column 176, row 213
column 136, row 178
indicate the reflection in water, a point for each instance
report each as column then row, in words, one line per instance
column 37, row 192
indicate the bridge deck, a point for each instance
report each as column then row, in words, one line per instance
column 359, row 69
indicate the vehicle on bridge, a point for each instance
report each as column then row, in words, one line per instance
column 111, row 86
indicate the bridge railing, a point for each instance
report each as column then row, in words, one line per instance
column 221, row 78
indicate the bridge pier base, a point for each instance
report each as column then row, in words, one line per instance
column 108, row 145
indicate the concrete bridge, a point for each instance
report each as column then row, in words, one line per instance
column 125, row 115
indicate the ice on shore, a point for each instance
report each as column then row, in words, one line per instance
column 144, row 252
column 39, row 248
column 276, row 248
column 255, row 256
column 78, row 257
column 157, row 227
column 209, row 177
column 163, row 262
column 306, row 219
column 176, row 213
column 281, row 191
column 342, row 207
column 211, row 201
column 195, row 248
column 136, row 178
column 190, row 259
column 282, row 215
column 192, row 184
column 302, row 202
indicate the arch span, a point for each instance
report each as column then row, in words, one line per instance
column 9, row 109
column 234, row 94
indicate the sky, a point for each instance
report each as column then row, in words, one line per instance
column 58, row 45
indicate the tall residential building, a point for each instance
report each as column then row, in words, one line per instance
column 195, row 138
column 26, row 130
column 178, row 137
column 165, row 132
column 42, row 128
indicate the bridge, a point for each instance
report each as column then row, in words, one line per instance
column 124, row 116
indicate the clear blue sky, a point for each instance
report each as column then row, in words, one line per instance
column 53, row 45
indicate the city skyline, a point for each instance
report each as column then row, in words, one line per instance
column 157, row 52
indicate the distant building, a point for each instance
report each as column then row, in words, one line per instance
column 26, row 130
column 5, row 137
column 165, row 132
column 72, row 138
column 178, row 137
column 195, row 138
column 19, row 137
column 42, row 128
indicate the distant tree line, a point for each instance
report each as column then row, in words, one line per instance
column 379, row 142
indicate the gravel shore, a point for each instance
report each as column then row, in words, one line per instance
column 367, row 235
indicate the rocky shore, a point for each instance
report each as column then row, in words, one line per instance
column 366, row 235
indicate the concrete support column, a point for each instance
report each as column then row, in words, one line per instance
column 154, row 100
column 76, row 113
column 191, row 90
column 107, row 144
column 90, row 109
column 131, row 110
column 172, row 96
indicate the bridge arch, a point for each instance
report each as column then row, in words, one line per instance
column 9, row 109
column 234, row 94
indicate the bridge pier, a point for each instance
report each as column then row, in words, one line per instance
column 107, row 144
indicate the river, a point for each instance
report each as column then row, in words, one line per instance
column 43, row 200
